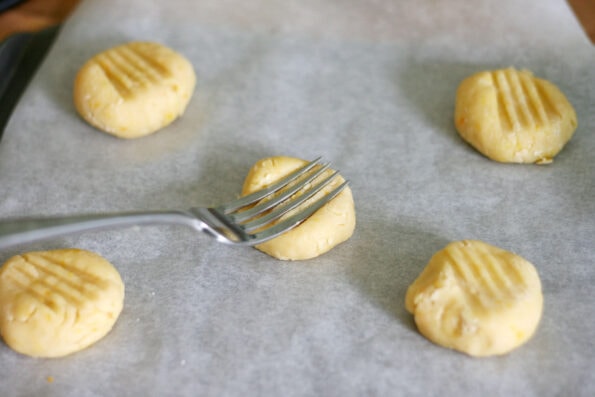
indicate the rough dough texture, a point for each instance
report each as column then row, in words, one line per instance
column 513, row 117
column 476, row 298
column 53, row 303
column 329, row 226
column 134, row 89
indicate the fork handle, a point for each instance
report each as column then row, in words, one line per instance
column 27, row 230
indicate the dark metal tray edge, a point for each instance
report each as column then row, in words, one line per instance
column 20, row 56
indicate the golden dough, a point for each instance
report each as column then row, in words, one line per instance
column 329, row 226
column 134, row 89
column 512, row 116
column 53, row 303
column 476, row 298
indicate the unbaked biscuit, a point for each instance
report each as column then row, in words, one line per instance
column 134, row 89
column 53, row 303
column 476, row 298
column 329, row 226
column 511, row 116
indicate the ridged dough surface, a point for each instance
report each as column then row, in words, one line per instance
column 513, row 117
column 54, row 303
column 331, row 225
column 476, row 298
column 134, row 89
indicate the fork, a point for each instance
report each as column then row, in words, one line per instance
column 250, row 220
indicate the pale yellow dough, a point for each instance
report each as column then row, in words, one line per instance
column 329, row 226
column 476, row 298
column 134, row 89
column 513, row 117
column 54, row 303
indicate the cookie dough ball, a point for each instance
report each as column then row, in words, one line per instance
column 53, row 303
column 329, row 226
column 476, row 298
column 513, row 117
column 134, row 89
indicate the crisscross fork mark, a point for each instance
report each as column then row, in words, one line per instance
column 84, row 282
column 127, row 70
column 40, row 290
column 53, row 279
column 143, row 62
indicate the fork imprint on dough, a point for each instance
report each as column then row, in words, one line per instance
column 54, row 303
column 134, row 89
column 54, row 284
column 128, row 69
column 522, row 102
column 483, row 271
column 476, row 298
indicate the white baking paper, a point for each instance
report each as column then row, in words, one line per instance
column 369, row 85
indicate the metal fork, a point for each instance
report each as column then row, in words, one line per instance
column 248, row 221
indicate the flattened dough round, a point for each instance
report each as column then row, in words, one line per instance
column 53, row 303
column 513, row 117
column 476, row 298
column 329, row 226
column 134, row 89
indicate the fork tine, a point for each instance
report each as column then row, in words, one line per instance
column 288, row 206
column 295, row 220
column 262, row 207
column 259, row 195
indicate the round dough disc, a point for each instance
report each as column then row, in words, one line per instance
column 134, row 89
column 329, row 226
column 476, row 298
column 513, row 117
column 53, row 303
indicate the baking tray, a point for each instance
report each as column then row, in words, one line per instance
column 20, row 56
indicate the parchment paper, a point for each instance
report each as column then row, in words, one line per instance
column 369, row 85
